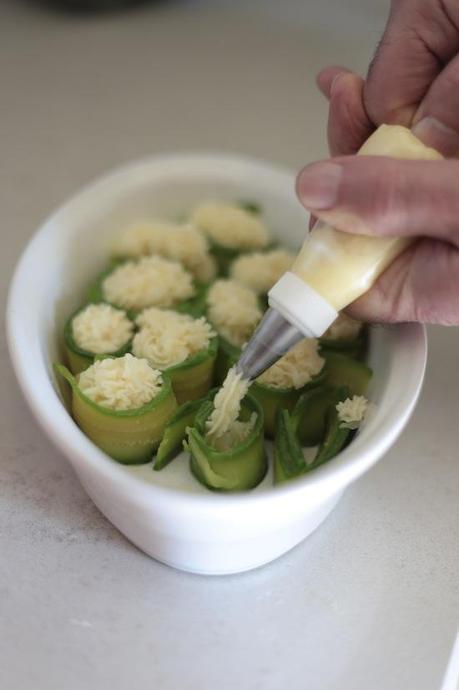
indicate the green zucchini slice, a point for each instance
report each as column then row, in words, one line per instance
column 128, row 436
column 238, row 469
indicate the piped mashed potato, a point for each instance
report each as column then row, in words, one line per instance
column 236, row 434
column 167, row 338
column 233, row 310
column 176, row 241
column 101, row 329
column 352, row 411
column 227, row 405
column 150, row 281
column 343, row 328
column 296, row 368
column 122, row 383
column 230, row 226
column 261, row 270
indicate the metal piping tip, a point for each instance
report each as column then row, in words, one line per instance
column 273, row 338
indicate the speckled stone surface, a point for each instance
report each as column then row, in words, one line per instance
column 371, row 600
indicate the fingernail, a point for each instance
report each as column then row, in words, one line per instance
column 437, row 135
column 318, row 185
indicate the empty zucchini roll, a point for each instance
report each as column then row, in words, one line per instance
column 95, row 330
column 151, row 281
column 230, row 229
column 177, row 241
column 259, row 271
column 309, row 414
column 345, row 335
column 234, row 311
column 184, row 347
column 123, row 405
column 229, row 456
column 281, row 385
column 342, row 417
column 288, row 458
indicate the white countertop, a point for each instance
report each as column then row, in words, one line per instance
column 370, row 601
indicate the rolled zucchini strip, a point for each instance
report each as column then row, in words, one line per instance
column 280, row 386
column 343, row 370
column 274, row 399
column 238, row 469
column 193, row 378
column 289, row 461
column 184, row 347
column 175, row 433
column 95, row 292
column 128, row 436
column 227, row 356
column 350, row 347
column 79, row 358
column 345, row 336
column 309, row 414
column 336, row 436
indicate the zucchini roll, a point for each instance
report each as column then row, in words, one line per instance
column 230, row 229
column 345, row 335
column 234, row 311
column 95, row 330
column 123, row 405
column 151, row 281
column 280, row 386
column 184, row 347
column 175, row 432
column 226, row 444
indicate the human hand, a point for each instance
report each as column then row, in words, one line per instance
column 399, row 197
column 413, row 80
column 388, row 197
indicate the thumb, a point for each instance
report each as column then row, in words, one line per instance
column 375, row 195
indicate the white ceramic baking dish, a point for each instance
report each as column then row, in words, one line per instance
column 168, row 514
